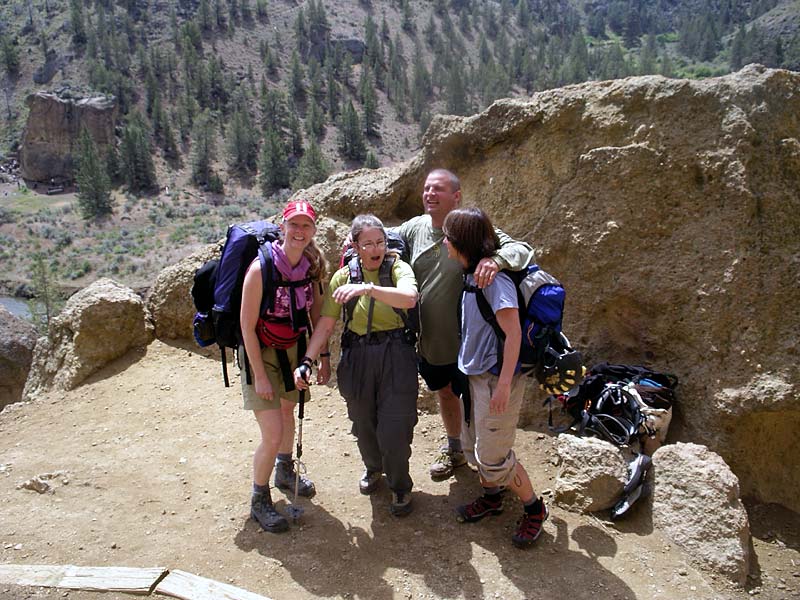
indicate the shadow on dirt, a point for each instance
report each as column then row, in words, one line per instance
column 430, row 544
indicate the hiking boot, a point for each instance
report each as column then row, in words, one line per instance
column 369, row 482
column 477, row 509
column 401, row 504
column 263, row 512
column 284, row 480
column 447, row 461
column 529, row 527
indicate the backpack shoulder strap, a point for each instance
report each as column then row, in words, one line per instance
column 355, row 276
column 268, row 276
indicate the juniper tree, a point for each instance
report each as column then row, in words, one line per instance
column 312, row 168
column 203, row 148
column 77, row 22
column 351, row 137
column 273, row 164
column 9, row 55
column 371, row 162
column 94, row 186
column 242, row 142
column 136, row 155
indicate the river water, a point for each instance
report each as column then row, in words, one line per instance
column 16, row 307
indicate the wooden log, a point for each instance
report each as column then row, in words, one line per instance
column 98, row 579
column 183, row 585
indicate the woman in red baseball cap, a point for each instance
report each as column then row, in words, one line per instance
column 274, row 341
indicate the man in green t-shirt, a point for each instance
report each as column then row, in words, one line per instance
column 440, row 282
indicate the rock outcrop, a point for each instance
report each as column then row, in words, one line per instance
column 669, row 209
column 16, row 352
column 591, row 473
column 51, row 133
column 97, row 325
column 696, row 503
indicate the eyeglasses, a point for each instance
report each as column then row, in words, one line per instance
column 380, row 244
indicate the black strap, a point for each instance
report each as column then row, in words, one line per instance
column 225, row 366
column 385, row 279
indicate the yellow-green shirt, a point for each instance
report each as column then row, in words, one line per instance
column 384, row 318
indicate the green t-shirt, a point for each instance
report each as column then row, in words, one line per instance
column 440, row 281
column 384, row 318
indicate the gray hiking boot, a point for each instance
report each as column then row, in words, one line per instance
column 263, row 512
column 369, row 482
column 284, row 480
column 447, row 461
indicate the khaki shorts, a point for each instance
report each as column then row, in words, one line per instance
column 269, row 357
column 488, row 439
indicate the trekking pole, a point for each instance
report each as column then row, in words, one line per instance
column 294, row 510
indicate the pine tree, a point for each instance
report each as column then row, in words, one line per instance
column 351, row 138
column 369, row 103
column 456, row 92
column 273, row 164
column 77, row 23
column 407, row 22
column 295, row 134
column 297, row 85
column 9, row 55
column 136, row 155
column 315, row 119
column 94, row 186
column 333, row 91
column 737, row 49
column 312, row 168
column 648, row 55
column 203, row 149
column 371, row 162
column 242, row 142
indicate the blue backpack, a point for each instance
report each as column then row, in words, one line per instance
column 540, row 297
column 217, row 289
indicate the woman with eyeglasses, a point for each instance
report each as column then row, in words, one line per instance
column 496, row 386
column 377, row 372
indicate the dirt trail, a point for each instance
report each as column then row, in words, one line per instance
column 156, row 459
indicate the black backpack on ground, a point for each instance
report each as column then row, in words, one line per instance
column 217, row 292
column 603, row 405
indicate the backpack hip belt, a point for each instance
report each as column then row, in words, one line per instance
column 350, row 339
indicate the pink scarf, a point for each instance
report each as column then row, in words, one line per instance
column 290, row 273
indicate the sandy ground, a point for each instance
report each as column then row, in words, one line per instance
column 156, row 461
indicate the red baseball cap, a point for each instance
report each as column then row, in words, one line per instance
column 299, row 207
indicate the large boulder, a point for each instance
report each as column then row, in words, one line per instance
column 16, row 353
column 170, row 301
column 49, row 141
column 591, row 473
column 696, row 504
column 97, row 325
column 669, row 209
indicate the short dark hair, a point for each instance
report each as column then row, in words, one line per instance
column 455, row 182
column 470, row 231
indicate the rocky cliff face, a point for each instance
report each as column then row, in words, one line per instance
column 670, row 211
column 52, row 131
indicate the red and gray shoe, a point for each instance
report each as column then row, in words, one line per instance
column 530, row 527
column 478, row 508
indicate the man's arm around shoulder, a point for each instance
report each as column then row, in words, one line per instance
column 512, row 255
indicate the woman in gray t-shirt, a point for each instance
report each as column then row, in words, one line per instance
column 496, row 393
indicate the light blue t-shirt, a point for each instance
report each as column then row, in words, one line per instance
column 478, row 352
